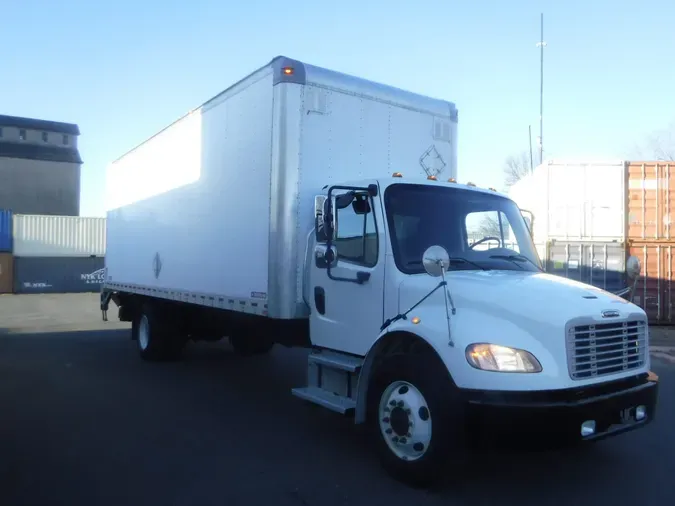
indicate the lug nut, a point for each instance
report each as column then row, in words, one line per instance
column 388, row 431
column 418, row 447
column 385, row 419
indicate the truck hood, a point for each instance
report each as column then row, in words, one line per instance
column 523, row 310
column 518, row 297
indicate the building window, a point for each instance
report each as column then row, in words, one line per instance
column 45, row 137
column 22, row 134
column 65, row 140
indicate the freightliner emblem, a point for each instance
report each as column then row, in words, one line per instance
column 610, row 314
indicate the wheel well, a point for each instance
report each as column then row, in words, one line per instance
column 391, row 344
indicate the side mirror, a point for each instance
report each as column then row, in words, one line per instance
column 528, row 218
column 435, row 260
column 324, row 228
column 324, row 257
column 633, row 267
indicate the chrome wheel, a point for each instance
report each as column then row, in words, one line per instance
column 143, row 333
column 405, row 420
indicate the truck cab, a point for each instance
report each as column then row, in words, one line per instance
column 429, row 308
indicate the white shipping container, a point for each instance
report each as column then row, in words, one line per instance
column 37, row 235
column 575, row 200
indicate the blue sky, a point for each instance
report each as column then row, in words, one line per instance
column 122, row 70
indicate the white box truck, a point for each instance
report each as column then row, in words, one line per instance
column 309, row 208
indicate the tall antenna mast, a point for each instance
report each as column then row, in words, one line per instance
column 529, row 129
column 541, row 45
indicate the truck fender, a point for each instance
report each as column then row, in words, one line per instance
column 402, row 336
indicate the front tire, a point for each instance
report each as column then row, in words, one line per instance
column 416, row 418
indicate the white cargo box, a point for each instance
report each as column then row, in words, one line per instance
column 575, row 200
column 216, row 208
column 37, row 235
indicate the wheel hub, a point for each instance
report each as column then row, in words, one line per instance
column 399, row 421
column 405, row 420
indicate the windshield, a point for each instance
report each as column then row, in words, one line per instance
column 479, row 230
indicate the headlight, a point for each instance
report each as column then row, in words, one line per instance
column 492, row 357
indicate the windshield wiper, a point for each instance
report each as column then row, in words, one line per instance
column 517, row 258
column 455, row 260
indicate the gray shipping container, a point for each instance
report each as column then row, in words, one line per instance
column 601, row 264
column 58, row 274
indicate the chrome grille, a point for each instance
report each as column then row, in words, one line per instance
column 599, row 349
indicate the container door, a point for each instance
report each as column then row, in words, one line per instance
column 654, row 289
column 600, row 264
column 604, row 202
column 347, row 299
column 651, row 201
column 566, row 201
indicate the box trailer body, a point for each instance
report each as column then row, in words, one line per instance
column 216, row 208
column 305, row 203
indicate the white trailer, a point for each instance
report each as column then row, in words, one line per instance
column 309, row 208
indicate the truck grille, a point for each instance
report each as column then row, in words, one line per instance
column 599, row 349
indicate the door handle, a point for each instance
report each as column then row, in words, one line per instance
column 320, row 299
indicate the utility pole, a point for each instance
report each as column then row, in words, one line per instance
column 541, row 45
column 529, row 129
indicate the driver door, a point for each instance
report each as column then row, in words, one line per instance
column 347, row 296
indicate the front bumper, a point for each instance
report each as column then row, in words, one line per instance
column 559, row 414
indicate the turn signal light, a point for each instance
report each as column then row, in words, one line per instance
column 288, row 71
column 397, row 174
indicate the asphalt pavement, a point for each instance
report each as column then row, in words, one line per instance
column 83, row 421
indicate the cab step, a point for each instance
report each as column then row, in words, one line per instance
column 337, row 361
column 328, row 400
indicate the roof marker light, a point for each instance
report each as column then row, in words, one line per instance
column 491, row 188
column 452, row 180
column 288, row 71
column 470, row 184
column 397, row 174
column 432, row 178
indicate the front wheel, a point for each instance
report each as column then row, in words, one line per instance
column 416, row 418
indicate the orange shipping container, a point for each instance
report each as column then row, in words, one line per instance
column 651, row 201
column 655, row 289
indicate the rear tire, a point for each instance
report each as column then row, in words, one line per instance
column 249, row 346
column 156, row 338
column 416, row 418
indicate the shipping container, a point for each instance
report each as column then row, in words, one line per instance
column 58, row 274
column 600, row 264
column 6, row 273
column 651, row 196
column 58, row 236
column 5, row 230
column 654, row 289
column 575, row 200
